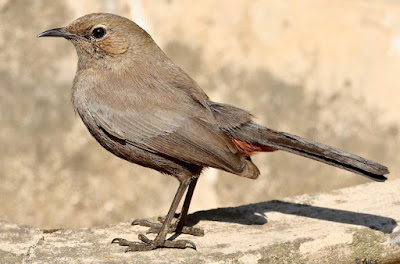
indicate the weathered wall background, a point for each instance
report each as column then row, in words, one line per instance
column 327, row 70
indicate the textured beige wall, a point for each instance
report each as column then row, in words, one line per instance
column 327, row 70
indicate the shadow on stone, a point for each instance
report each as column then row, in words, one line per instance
column 255, row 214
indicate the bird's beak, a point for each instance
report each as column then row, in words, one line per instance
column 58, row 32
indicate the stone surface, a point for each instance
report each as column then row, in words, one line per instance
column 336, row 227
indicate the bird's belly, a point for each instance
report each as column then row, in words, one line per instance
column 136, row 154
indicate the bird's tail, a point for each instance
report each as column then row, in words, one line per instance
column 257, row 135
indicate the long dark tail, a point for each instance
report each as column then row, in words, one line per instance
column 255, row 134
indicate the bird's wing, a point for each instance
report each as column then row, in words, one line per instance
column 171, row 128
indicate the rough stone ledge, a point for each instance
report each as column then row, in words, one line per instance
column 336, row 227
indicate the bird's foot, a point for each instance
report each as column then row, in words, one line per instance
column 147, row 244
column 156, row 227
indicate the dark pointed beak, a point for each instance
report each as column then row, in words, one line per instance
column 57, row 32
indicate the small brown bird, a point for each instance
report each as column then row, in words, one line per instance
column 143, row 108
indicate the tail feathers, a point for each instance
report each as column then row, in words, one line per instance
column 256, row 134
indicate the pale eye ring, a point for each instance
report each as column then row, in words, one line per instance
column 98, row 32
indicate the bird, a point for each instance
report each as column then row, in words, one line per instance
column 142, row 107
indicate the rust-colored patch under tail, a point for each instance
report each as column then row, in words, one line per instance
column 248, row 149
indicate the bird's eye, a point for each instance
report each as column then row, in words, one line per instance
column 99, row 32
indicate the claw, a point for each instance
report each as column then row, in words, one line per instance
column 121, row 241
column 115, row 240
column 192, row 244
column 142, row 222
column 179, row 244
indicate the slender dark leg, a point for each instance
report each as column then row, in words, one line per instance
column 160, row 240
column 180, row 225
column 185, row 209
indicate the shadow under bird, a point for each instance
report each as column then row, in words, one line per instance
column 143, row 108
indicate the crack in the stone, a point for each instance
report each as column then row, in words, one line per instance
column 32, row 247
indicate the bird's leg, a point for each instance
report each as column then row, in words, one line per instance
column 160, row 240
column 180, row 225
column 182, row 220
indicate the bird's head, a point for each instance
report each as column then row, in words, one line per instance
column 104, row 39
